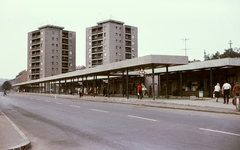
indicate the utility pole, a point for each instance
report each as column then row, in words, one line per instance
column 185, row 40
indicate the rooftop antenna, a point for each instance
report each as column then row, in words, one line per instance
column 185, row 41
column 230, row 43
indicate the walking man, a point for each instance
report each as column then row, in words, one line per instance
column 226, row 89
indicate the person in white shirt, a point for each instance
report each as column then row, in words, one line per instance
column 226, row 89
column 216, row 91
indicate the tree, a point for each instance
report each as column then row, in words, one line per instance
column 6, row 85
column 229, row 53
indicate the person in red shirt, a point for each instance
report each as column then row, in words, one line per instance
column 140, row 94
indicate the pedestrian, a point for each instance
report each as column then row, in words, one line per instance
column 150, row 91
column 236, row 92
column 144, row 90
column 104, row 91
column 216, row 91
column 226, row 89
column 79, row 92
column 4, row 93
column 140, row 91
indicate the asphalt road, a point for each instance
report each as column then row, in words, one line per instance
column 51, row 124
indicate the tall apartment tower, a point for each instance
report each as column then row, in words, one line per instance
column 51, row 51
column 110, row 41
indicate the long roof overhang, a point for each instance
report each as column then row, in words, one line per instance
column 204, row 65
column 146, row 62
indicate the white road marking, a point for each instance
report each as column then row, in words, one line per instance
column 47, row 101
column 143, row 118
column 58, row 103
column 75, row 106
column 38, row 99
column 100, row 110
column 220, row 131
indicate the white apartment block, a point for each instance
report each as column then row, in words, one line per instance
column 51, row 51
column 110, row 41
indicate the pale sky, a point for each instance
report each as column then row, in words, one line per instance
column 208, row 24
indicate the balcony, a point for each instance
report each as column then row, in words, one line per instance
column 35, row 54
column 97, row 30
column 35, row 60
column 65, row 42
column 65, row 35
column 64, row 47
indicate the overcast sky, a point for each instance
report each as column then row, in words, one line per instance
column 208, row 24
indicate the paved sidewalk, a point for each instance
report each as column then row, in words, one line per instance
column 12, row 138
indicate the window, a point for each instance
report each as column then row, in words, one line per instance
column 52, row 69
column 89, row 56
column 116, row 53
column 89, row 37
column 52, row 32
column 41, row 39
column 105, row 54
column 52, row 57
column 132, row 49
column 52, row 38
column 89, row 50
column 116, row 47
column 56, row 39
column 30, row 41
column 89, row 43
column 56, row 63
column 56, row 69
column 132, row 36
column 120, row 41
column 104, row 34
column 116, row 60
column 132, row 43
column 52, row 63
column 53, row 51
column 70, row 52
column 52, row 44
column 57, row 45
column 120, row 34
column 105, row 47
column 56, row 57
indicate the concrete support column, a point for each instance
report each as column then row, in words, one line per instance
column 153, row 83
column 127, row 85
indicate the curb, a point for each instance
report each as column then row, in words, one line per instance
column 26, row 145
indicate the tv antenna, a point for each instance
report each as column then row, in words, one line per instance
column 185, row 41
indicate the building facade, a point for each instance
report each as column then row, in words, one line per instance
column 110, row 41
column 51, row 51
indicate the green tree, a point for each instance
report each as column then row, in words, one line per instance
column 229, row 53
column 6, row 85
column 217, row 55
